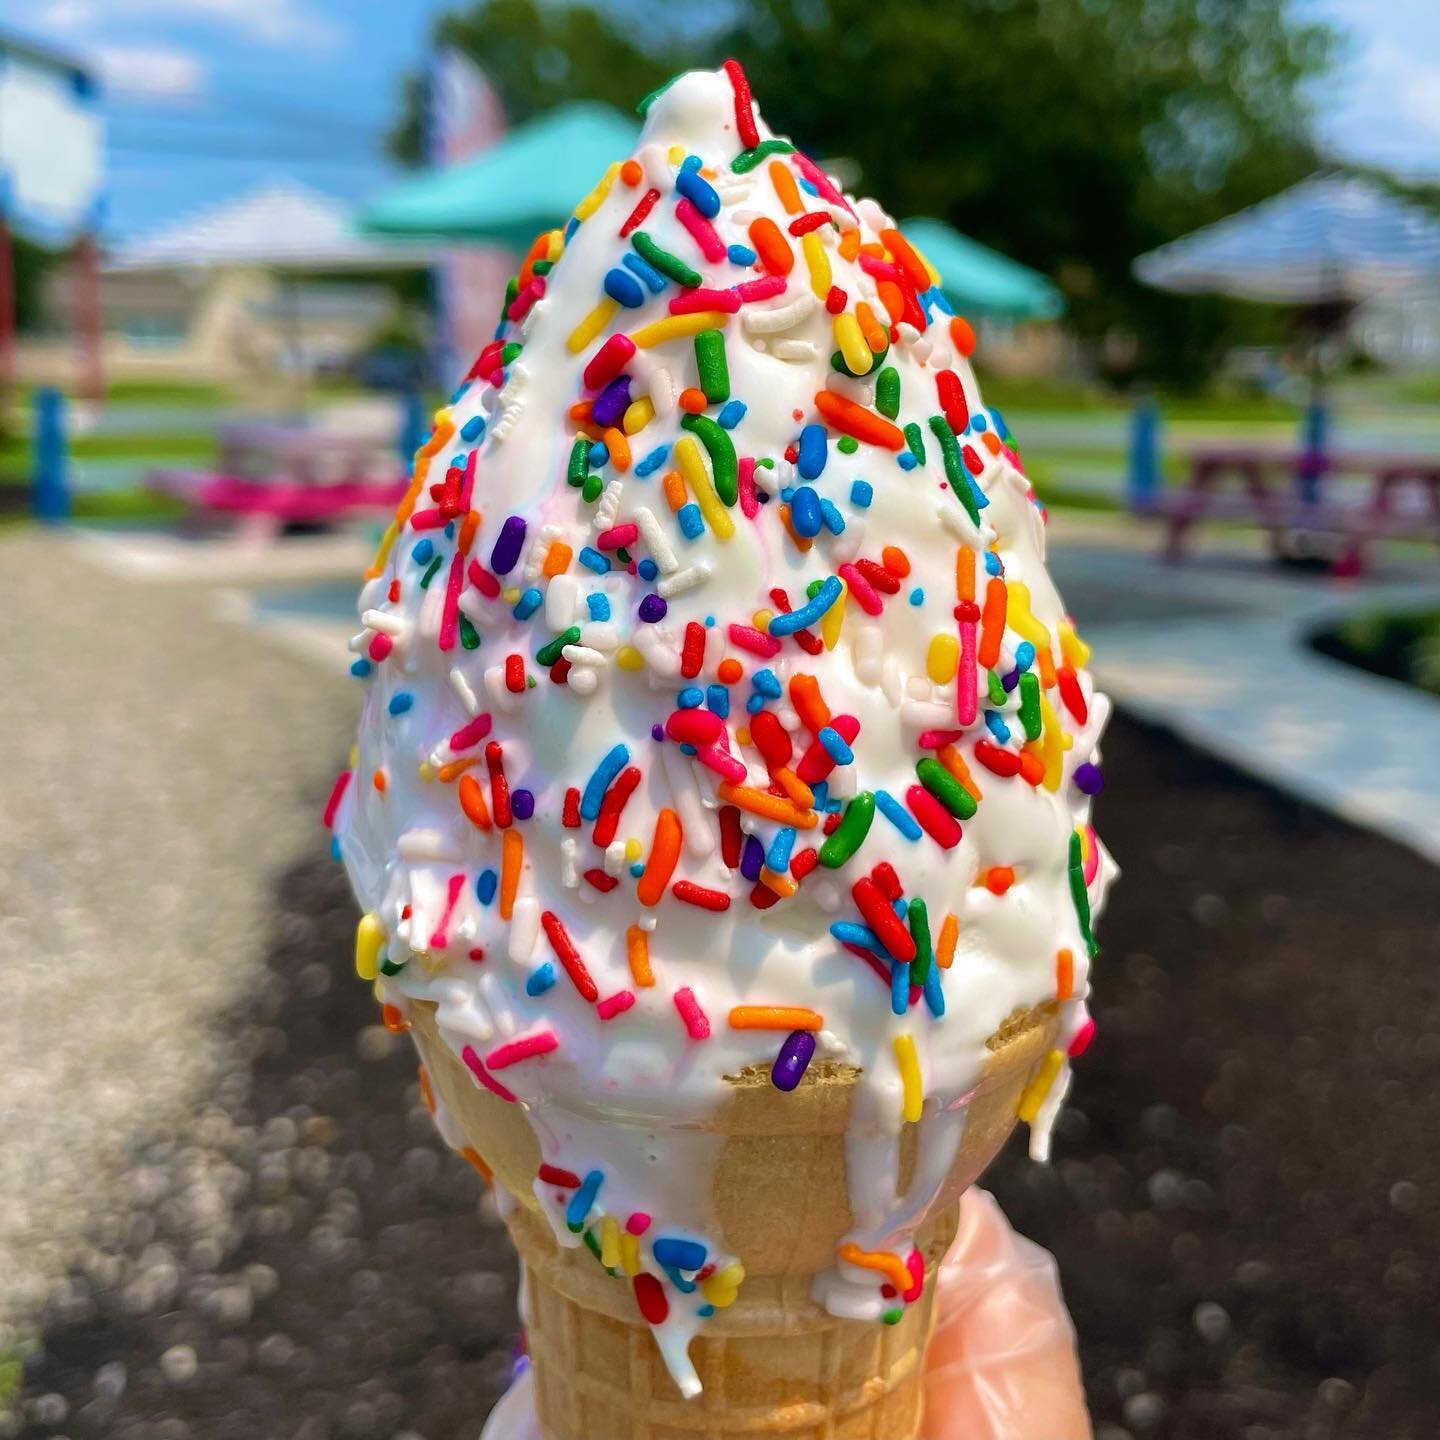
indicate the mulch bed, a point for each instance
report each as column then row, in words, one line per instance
column 1245, row 1198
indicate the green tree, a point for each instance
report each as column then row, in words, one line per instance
column 1070, row 134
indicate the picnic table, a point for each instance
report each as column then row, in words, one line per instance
column 1291, row 492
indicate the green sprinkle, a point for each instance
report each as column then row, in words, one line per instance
column 887, row 392
column 919, row 918
column 846, row 838
column 643, row 108
column 1079, row 894
column 542, row 267
column 847, row 445
column 945, row 788
column 1030, row 704
column 510, row 352
column 915, row 441
column 594, row 484
column 666, row 263
column 579, row 462
column 548, row 654
column 710, row 361
column 954, row 469
column 723, row 460
column 747, row 160
column 390, row 967
column 430, row 570
column 469, row 635
column 996, row 687
column 892, row 1317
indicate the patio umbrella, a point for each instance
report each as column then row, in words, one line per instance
column 981, row 281
column 526, row 183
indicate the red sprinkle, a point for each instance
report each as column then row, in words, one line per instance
column 802, row 862
column 889, row 882
column 871, row 902
column 731, row 837
column 744, row 112
column 952, row 399
column 515, row 674
column 610, row 359
column 650, row 1297
column 771, row 738
column 568, row 955
column 804, row 224
column 613, row 803
column 337, row 793
column 700, row 896
column 499, row 787
column 836, row 300
column 992, row 757
column 570, row 811
column 815, row 764
column 1071, row 693
column 934, row 819
column 636, row 219
column 553, row 1175
column 692, row 651
column 601, row 881
column 1081, row 1043
column 483, row 580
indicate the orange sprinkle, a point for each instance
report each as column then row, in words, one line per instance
column 892, row 299
column 770, row 807
column 472, row 802
column 663, row 857
column 992, row 623
column 693, row 401
column 592, row 432
column 785, row 187
column 393, row 1019
column 637, row 952
column 907, row 259
column 512, row 853
column 557, row 559
column 1064, row 974
column 991, row 441
column 962, row 335
column 849, row 249
column 997, row 879
column 945, row 943
column 1045, row 663
column 855, row 420
column 378, row 781
column 809, row 704
column 581, row 411
column 674, row 486
column 1032, row 767
column 965, row 573
column 729, row 672
column 457, row 767
column 619, row 448
column 954, row 762
column 802, row 542
column 892, row 1267
column 774, row 1017
column 468, row 526
column 771, row 246
column 539, row 247
column 473, row 1156
column 895, row 560
column 876, row 336
column 427, row 1094
column 799, row 792
column 631, row 174
column 782, row 885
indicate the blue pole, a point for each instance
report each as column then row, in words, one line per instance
column 1144, row 476
column 413, row 431
column 1314, row 442
column 52, row 492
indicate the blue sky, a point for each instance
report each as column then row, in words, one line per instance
column 210, row 97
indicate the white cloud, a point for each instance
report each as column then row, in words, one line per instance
column 272, row 22
column 158, row 73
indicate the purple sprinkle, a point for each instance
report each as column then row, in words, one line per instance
column 507, row 546
column 652, row 609
column 752, row 858
column 522, row 803
column 1089, row 778
column 657, row 732
column 1011, row 680
column 793, row 1060
column 612, row 402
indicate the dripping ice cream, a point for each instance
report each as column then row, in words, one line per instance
column 721, row 720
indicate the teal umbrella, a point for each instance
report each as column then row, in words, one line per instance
column 529, row 182
column 981, row 281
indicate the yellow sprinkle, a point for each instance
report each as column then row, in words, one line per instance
column 627, row 657
column 914, row 1090
column 510, row 594
column 630, row 1253
column 1019, row 618
column 812, row 248
column 1073, row 648
column 354, row 756
column 761, row 620
column 638, row 414
column 676, row 154
column 925, row 261
column 851, row 342
column 634, row 849
column 692, row 467
column 742, row 735
column 834, row 617
column 555, row 243
column 369, row 937
column 426, row 770
column 721, row 1288
column 382, row 552
column 1052, row 750
column 676, row 327
column 942, row 658
column 591, row 325
column 609, row 1243
column 1039, row 1086
column 596, row 198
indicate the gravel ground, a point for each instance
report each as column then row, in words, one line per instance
column 236, row 1221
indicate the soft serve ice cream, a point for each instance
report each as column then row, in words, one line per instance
column 720, row 711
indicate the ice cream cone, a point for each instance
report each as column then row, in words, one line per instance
column 774, row 1362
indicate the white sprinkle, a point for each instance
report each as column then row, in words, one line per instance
column 664, row 394
column 501, row 697
column 582, row 655
column 656, row 541
column 796, row 352
column 472, row 605
column 926, row 714
column 583, row 680
column 561, row 597
column 535, row 556
column 773, row 319
column 524, row 929
column 385, row 623
column 607, row 508
column 657, row 649
column 461, row 686
column 615, row 857
column 423, row 844
column 685, row 792
column 569, row 863
column 601, row 635
column 869, row 648
column 682, row 580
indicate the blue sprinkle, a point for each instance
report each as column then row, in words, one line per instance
column 686, row 748
column 741, row 255
column 717, row 700
column 766, row 682
column 1024, row 655
column 583, row 1199
column 810, row 460
column 917, row 596
column 934, row 995
column 925, row 303
column 638, row 869
column 472, row 429
column 899, row 987
column 653, row 461
column 698, row 191
column 361, row 668
column 805, row 512
column 981, row 498
column 690, row 163
column 834, row 520
column 778, row 855
column 829, row 592
column 400, row 702
column 650, row 277
column 335, row 848
column 647, row 569
column 684, row 1286
column 422, row 552
column 852, row 932
column 622, row 287
column 808, row 186
column 571, row 226
column 610, row 766
column 938, row 300
column 692, row 525
column 705, row 1311
column 670, row 1251
column 977, row 423
column 731, row 414
column 485, row 885
column 528, row 604
column 906, row 461
column 541, row 978
column 599, row 605
column 755, row 704
column 692, row 697
column 998, row 728
column 592, row 559
column 897, row 815
column 992, row 564
column 599, row 455
column 821, row 791
column 835, row 746
column 998, row 421
column 862, row 492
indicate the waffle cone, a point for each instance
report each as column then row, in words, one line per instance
column 774, row 1362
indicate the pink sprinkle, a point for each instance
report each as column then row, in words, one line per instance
column 747, row 637
column 526, row 1048
column 697, row 1023
column 1083, row 1036
column 450, row 613
column 478, row 1070
column 965, row 698
column 616, row 1004
column 820, row 180
column 428, row 520
column 749, row 502
column 440, row 939
column 694, row 727
column 617, row 536
column 724, row 765
column 472, row 732
column 712, row 247
column 380, row 646
column 337, row 792
column 934, row 739
column 767, row 287
column 880, row 269
column 525, row 299
column 638, row 1223
column 863, row 591
column 467, row 485
column 694, row 300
